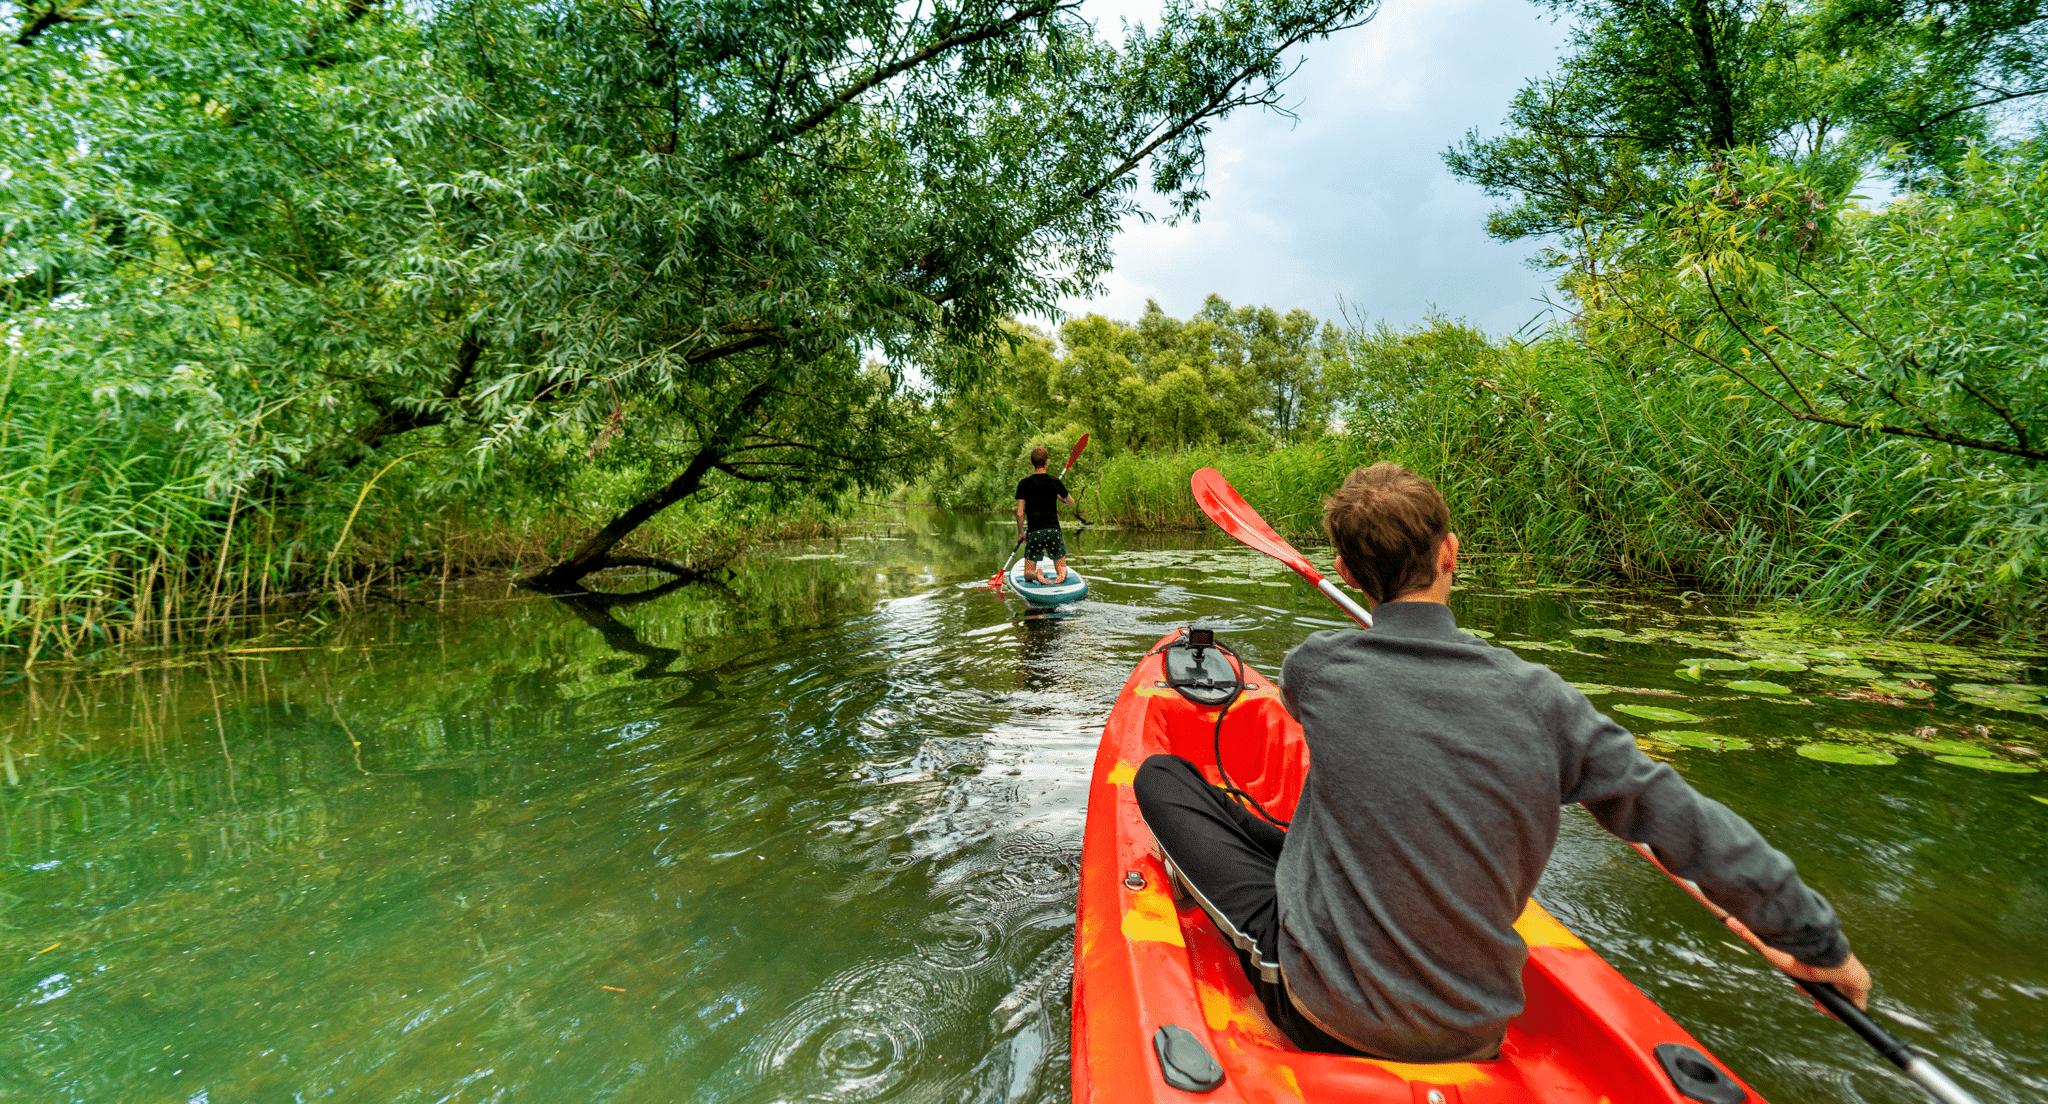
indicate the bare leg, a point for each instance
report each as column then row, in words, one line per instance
column 1061, row 565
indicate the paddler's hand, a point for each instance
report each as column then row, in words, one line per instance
column 1850, row 976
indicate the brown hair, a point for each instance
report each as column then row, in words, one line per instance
column 1039, row 456
column 1387, row 523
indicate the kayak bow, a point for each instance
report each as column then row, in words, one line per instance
column 1144, row 963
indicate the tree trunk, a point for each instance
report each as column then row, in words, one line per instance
column 594, row 554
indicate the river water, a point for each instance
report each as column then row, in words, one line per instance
column 811, row 834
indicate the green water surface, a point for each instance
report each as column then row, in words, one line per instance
column 811, row 833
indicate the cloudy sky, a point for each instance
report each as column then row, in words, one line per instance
column 1353, row 200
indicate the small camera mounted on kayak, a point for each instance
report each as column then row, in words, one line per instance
column 1200, row 669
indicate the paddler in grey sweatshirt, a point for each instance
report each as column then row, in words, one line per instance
column 1382, row 921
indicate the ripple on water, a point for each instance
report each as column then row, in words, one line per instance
column 856, row 1038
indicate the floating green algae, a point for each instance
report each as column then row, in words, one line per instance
column 1657, row 713
column 1705, row 741
column 1716, row 664
column 2019, row 690
column 1777, row 663
column 1979, row 763
column 1941, row 747
column 1848, row 754
column 1848, row 670
column 1758, row 686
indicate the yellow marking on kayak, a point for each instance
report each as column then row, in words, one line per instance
column 1151, row 919
column 1220, row 1012
column 1538, row 929
column 1436, row 1073
column 1293, row 1082
column 1152, row 690
column 1121, row 774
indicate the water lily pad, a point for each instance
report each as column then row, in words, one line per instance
column 1848, row 670
column 1984, row 764
column 1706, row 741
column 2018, row 690
column 1923, row 676
column 1716, row 664
column 1900, row 689
column 2039, row 798
column 1847, row 754
column 1777, row 663
column 1591, row 689
column 1758, row 686
column 1690, row 673
column 1657, row 713
column 1942, row 747
column 1603, row 634
column 1480, row 633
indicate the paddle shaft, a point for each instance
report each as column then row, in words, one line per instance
column 1215, row 497
column 1894, row 1050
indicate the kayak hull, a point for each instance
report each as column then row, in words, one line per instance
column 1073, row 589
column 1141, row 961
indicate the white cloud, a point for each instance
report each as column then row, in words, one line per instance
column 1353, row 200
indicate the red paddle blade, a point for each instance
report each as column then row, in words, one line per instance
column 1235, row 516
column 1076, row 454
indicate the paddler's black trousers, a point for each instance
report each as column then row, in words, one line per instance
column 1227, row 857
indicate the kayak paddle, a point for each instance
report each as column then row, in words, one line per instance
column 1235, row 516
column 1917, row 1068
column 996, row 580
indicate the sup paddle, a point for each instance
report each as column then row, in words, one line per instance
column 996, row 580
column 1233, row 515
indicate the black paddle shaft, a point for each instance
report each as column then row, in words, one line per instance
column 1842, row 1008
column 1915, row 1066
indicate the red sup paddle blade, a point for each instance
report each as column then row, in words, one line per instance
column 1076, row 454
column 1235, row 516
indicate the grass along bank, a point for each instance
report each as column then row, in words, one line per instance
column 1583, row 471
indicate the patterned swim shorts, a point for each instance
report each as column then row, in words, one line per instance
column 1045, row 544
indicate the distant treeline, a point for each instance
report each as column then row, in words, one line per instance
column 1843, row 406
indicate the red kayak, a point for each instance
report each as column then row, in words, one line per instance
column 1143, row 963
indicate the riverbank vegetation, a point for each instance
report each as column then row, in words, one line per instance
column 1757, row 383
column 297, row 298
column 294, row 294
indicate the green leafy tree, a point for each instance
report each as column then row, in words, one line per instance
column 1649, row 91
column 1927, row 74
column 1919, row 322
column 653, row 235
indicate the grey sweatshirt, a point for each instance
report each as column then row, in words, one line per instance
column 1437, row 767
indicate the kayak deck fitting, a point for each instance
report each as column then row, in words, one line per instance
column 1143, row 963
column 1072, row 589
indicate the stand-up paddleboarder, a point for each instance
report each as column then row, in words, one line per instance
column 1038, row 518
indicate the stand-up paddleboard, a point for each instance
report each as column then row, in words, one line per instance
column 1163, row 1013
column 1047, row 594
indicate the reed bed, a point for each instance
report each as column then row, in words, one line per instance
column 1574, row 470
column 110, row 539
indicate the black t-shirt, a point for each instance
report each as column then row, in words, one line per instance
column 1041, row 494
